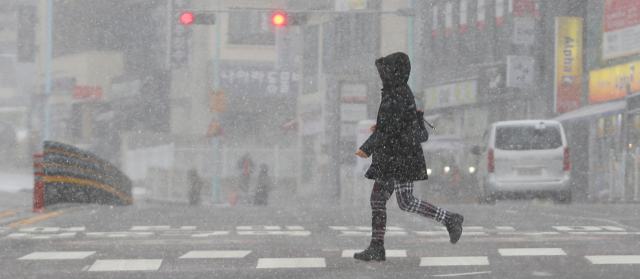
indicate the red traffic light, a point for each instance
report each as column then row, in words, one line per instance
column 186, row 18
column 278, row 19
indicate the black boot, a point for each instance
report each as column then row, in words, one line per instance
column 454, row 227
column 373, row 252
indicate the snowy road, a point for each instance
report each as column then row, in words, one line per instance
column 508, row 240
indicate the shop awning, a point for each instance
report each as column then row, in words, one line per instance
column 593, row 112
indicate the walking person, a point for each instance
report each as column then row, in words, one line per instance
column 398, row 159
column 196, row 186
column 264, row 186
column 246, row 169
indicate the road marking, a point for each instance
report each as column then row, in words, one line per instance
column 57, row 255
column 291, row 263
column 41, row 236
column 461, row 274
column 602, row 233
column 162, row 228
column 528, row 233
column 118, row 234
column 291, row 233
column 453, row 261
column 51, row 229
column 258, row 228
column 206, row 234
column 619, row 259
column 125, row 265
column 532, row 252
column 215, row 254
column 389, row 253
column 587, row 228
column 444, row 233
column 6, row 213
column 34, row 219
column 295, row 228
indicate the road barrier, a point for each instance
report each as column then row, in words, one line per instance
column 38, row 183
column 76, row 176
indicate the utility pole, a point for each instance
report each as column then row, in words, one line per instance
column 47, row 86
column 215, row 179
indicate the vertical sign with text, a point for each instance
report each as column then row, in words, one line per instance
column 568, row 68
column 621, row 34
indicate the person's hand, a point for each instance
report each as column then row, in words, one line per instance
column 373, row 128
column 362, row 154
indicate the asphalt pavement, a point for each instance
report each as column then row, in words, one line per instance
column 293, row 238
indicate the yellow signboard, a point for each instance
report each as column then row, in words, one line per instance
column 568, row 69
column 217, row 100
column 611, row 83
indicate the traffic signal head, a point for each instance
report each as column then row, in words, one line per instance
column 288, row 19
column 279, row 19
column 187, row 18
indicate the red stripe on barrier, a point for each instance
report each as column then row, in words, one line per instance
column 38, row 184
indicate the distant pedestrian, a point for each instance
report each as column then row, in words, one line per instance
column 453, row 178
column 264, row 186
column 245, row 165
column 196, row 184
column 398, row 159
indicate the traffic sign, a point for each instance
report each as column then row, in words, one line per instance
column 217, row 100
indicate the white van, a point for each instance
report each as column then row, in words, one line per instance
column 528, row 158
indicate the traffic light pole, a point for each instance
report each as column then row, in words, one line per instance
column 47, row 85
column 410, row 38
column 215, row 179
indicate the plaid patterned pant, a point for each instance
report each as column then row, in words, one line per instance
column 382, row 191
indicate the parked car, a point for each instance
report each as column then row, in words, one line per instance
column 524, row 159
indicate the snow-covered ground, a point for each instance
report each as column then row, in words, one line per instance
column 15, row 181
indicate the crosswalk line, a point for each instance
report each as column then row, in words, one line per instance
column 216, row 254
column 126, row 265
column 614, row 259
column 69, row 255
column 453, row 261
column 291, row 263
column 389, row 253
column 532, row 252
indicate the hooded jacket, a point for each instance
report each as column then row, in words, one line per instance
column 397, row 154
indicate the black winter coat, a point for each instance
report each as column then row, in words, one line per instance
column 397, row 154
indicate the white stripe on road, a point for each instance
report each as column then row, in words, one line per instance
column 290, row 262
column 125, row 265
column 453, row 261
column 57, row 255
column 461, row 274
column 215, row 254
column 389, row 253
column 207, row 234
column 295, row 228
column 620, row 259
column 258, row 228
column 532, row 252
column 444, row 233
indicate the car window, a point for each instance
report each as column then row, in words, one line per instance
column 527, row 138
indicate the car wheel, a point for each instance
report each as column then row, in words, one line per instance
column 563, row 197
